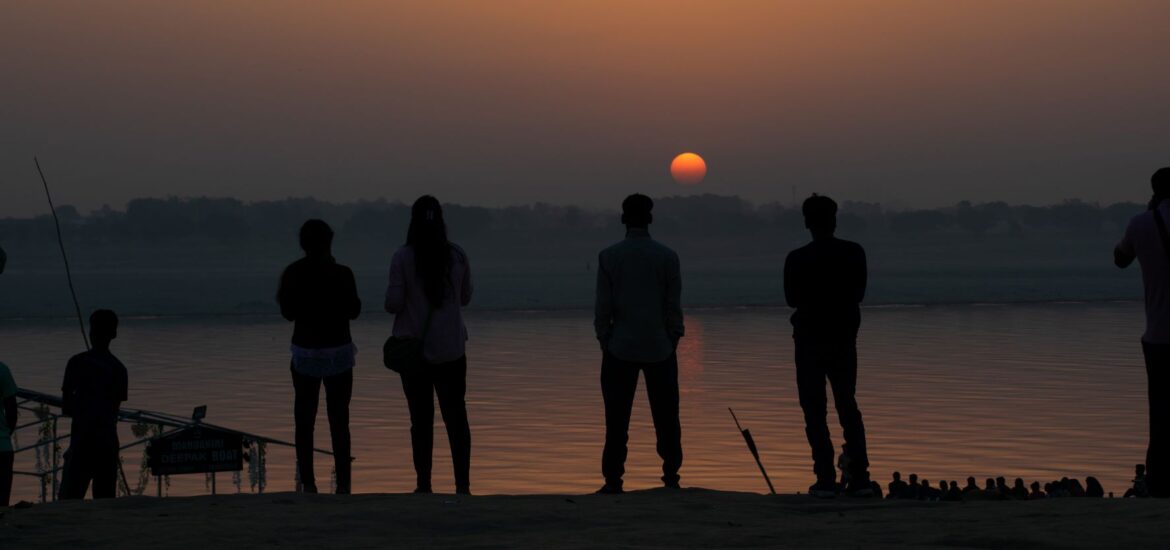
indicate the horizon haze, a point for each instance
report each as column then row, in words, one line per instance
column 910, row 103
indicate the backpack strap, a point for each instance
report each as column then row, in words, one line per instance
column 1165, row 236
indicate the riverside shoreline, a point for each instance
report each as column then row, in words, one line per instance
column 690, row 518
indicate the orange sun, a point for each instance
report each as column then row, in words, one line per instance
column 688, row 169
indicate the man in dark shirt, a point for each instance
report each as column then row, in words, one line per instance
column 95, row 386
column 638, row 319
column 825, row 282
column 320, row 297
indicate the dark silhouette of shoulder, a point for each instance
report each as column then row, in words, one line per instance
column 320, row 296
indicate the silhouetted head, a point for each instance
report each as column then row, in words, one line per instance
column 1000, row 481
column 1160, row 181
column 913, row 479
column 103, row 328
column 971, row 482
column 1019, row 484
column 316, row 238
column 427, row 236
column 942, row 485
column 990, row 483
column 1035, row 486
column 1139, row 469
column 897, row 476
column 636, row 211
column 820, row 215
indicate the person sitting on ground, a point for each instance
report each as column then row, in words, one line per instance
column 1093, row 488
column 1139, row 483
column 1019, row 490
column 1061, row 488
column 989, row 490
column 954, row 494
column 8, row 413
column 95, row 385
column 927, row 492
column 896, row 487
column 1075, row 488
column 911, row 490
column 972, row 489
column 1002, row 488
column 1036, row 493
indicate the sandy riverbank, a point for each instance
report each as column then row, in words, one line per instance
column 692, row 518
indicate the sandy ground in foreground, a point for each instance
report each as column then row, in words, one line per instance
column 691, row 518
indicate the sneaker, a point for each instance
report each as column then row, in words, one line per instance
column 609, row 489
column 422, row 491
column 823, row 489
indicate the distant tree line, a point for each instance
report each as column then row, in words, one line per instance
column 701, row 217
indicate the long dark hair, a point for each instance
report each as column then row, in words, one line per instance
column 432, row 252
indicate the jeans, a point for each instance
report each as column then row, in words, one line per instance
column 86, row 462
column 448, row 381
column 338, row 391
column 1158, row 452
column 619, row 381
column 836, row 361
column 6, row 460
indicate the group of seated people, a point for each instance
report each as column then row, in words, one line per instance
column 993, row 489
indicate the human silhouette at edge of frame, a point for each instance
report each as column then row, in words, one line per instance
column 638, row 321
column 319, row 296
column 94, row 387
column 1147, row 239
column 8, row 415
column 824, row 281
column 429, row 283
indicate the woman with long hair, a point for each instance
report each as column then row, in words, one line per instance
column 430, row 281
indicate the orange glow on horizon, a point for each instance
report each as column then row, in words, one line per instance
column 688, row 169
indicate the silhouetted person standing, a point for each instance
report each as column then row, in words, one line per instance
column 320, row 297
column 430, row 281
column 1147, row 239
column 96, row 383
column 8, row 414
column 824, row 281
column 639, row 321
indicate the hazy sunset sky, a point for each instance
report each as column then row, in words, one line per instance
column 911, row 103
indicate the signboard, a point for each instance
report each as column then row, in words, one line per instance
column 196, row 450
